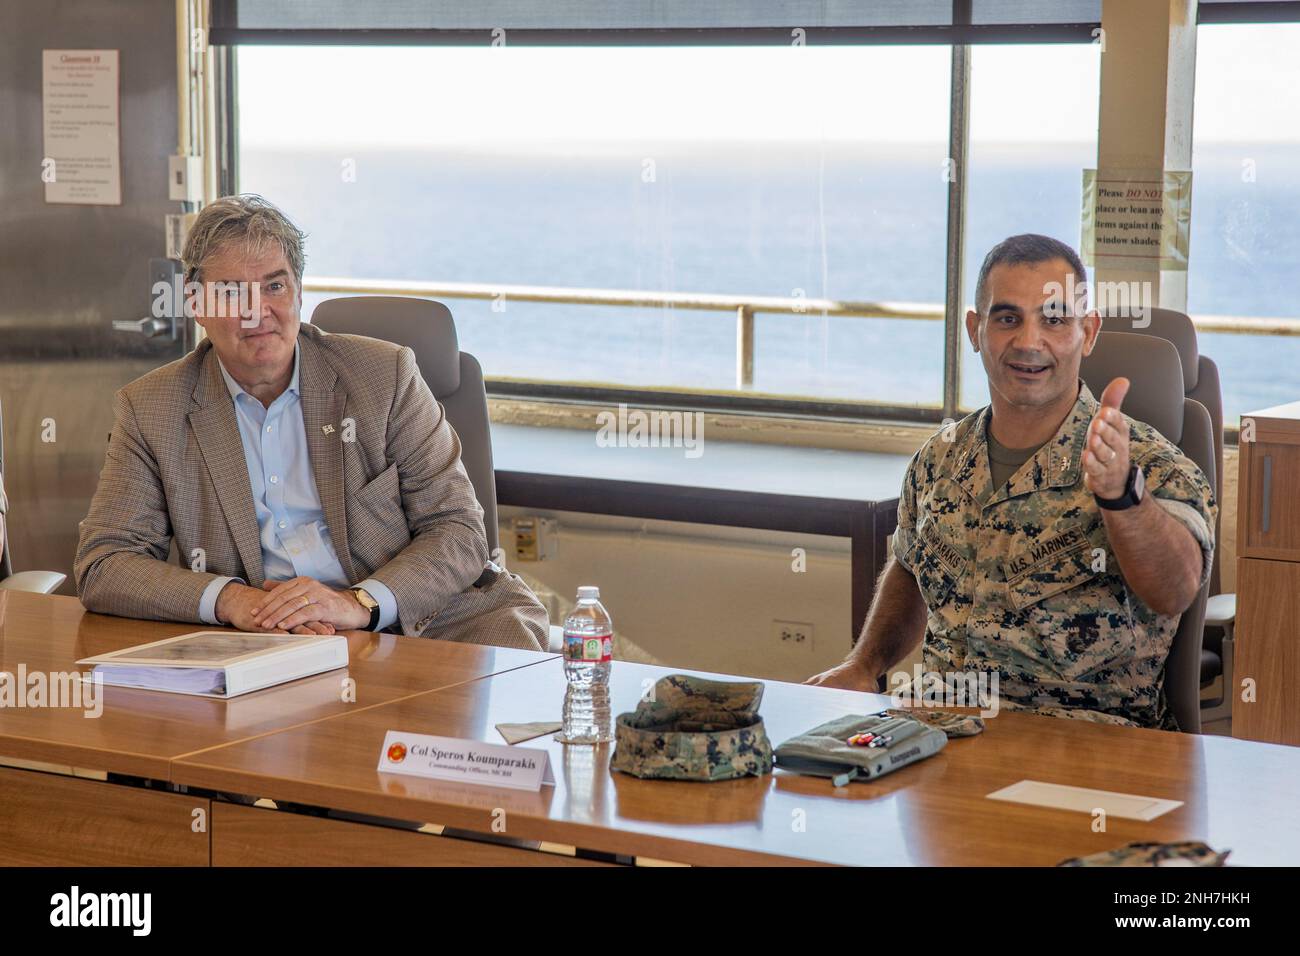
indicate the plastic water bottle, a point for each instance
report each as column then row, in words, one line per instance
column 588, row 653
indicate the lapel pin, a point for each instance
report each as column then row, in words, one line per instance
column 327, row 429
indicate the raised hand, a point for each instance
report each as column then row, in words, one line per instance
column 1106, row 457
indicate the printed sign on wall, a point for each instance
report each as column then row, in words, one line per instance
column 83, row 156
column 1136, row 219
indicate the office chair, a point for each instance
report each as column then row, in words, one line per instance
column 454, row 377
column 1157, row 397
column 38, row 582
column 1201, row 383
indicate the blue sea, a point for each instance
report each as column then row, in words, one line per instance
column 843, row 221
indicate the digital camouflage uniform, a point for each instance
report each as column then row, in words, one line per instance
column 1022, row 580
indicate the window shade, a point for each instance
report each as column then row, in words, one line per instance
column 654, row 21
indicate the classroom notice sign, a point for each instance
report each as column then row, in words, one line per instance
column 1135, row 219
column 82, row 162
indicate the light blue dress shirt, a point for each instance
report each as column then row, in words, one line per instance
column 295, row 539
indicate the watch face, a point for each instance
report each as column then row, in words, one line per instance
column 1139, row 484
column 364, row 598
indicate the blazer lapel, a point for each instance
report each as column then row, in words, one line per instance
column 223, row 453
column 323, row 406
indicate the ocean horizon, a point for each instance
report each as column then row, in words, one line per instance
column 847, row 221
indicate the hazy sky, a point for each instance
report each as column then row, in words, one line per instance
column 1248, row 88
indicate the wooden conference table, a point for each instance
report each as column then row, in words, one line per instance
column 142, row 782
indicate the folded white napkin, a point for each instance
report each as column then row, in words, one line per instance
column 514, row 733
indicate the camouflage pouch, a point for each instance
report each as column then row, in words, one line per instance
column 694, row 729
column 1188, row 853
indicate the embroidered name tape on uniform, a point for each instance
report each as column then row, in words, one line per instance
column 1063, row 543
column 942, row 551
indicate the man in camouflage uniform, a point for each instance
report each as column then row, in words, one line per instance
column 1048, row 537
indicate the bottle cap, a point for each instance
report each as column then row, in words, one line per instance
column 588, row 593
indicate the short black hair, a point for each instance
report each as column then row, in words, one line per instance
column 1026, row 249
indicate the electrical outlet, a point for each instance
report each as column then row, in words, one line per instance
column 534, row 538
column 793, row 636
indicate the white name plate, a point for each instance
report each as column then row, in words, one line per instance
column 465, row 761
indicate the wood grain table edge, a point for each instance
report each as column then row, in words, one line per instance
column 522, row 825
column 83, row 757
column 171, row 763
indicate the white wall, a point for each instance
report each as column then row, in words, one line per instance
column 700, row 596
column 704, row 597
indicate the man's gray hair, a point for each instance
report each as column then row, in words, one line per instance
column 247, row 221
column 1026, row 249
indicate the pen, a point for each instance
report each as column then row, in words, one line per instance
column 885, row 726
column 902, row 734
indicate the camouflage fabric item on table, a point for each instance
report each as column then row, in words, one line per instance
column 1188, row 853
column 950, row 722
column 694, row 729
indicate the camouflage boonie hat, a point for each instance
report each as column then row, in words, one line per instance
column 694, row 729
column 1189, row 853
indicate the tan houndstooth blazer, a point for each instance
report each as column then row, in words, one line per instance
column 396, row 493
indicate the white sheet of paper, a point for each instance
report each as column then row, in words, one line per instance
column 465, row 761
column 518, row 733
column 82, row 162
column 1128, row 806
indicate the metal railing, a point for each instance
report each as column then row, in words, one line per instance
column 744, row 307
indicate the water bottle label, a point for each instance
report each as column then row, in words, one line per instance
column 592, row 648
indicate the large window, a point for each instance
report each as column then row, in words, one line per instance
column 799, row 173
column 1245, row 242
column 1033, row 130
column 791, row 174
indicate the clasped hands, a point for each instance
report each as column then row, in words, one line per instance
column 297, row 606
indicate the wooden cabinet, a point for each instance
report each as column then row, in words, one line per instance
column 1267, row 635
column 1268, row 577
column 1268, row 512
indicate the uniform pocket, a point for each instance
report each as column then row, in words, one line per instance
column 1075, row 612
column 1067, row 572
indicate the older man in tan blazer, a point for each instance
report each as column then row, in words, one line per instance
column 310, row 481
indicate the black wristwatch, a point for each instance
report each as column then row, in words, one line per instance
column 1134, row 490
column 365, row 600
